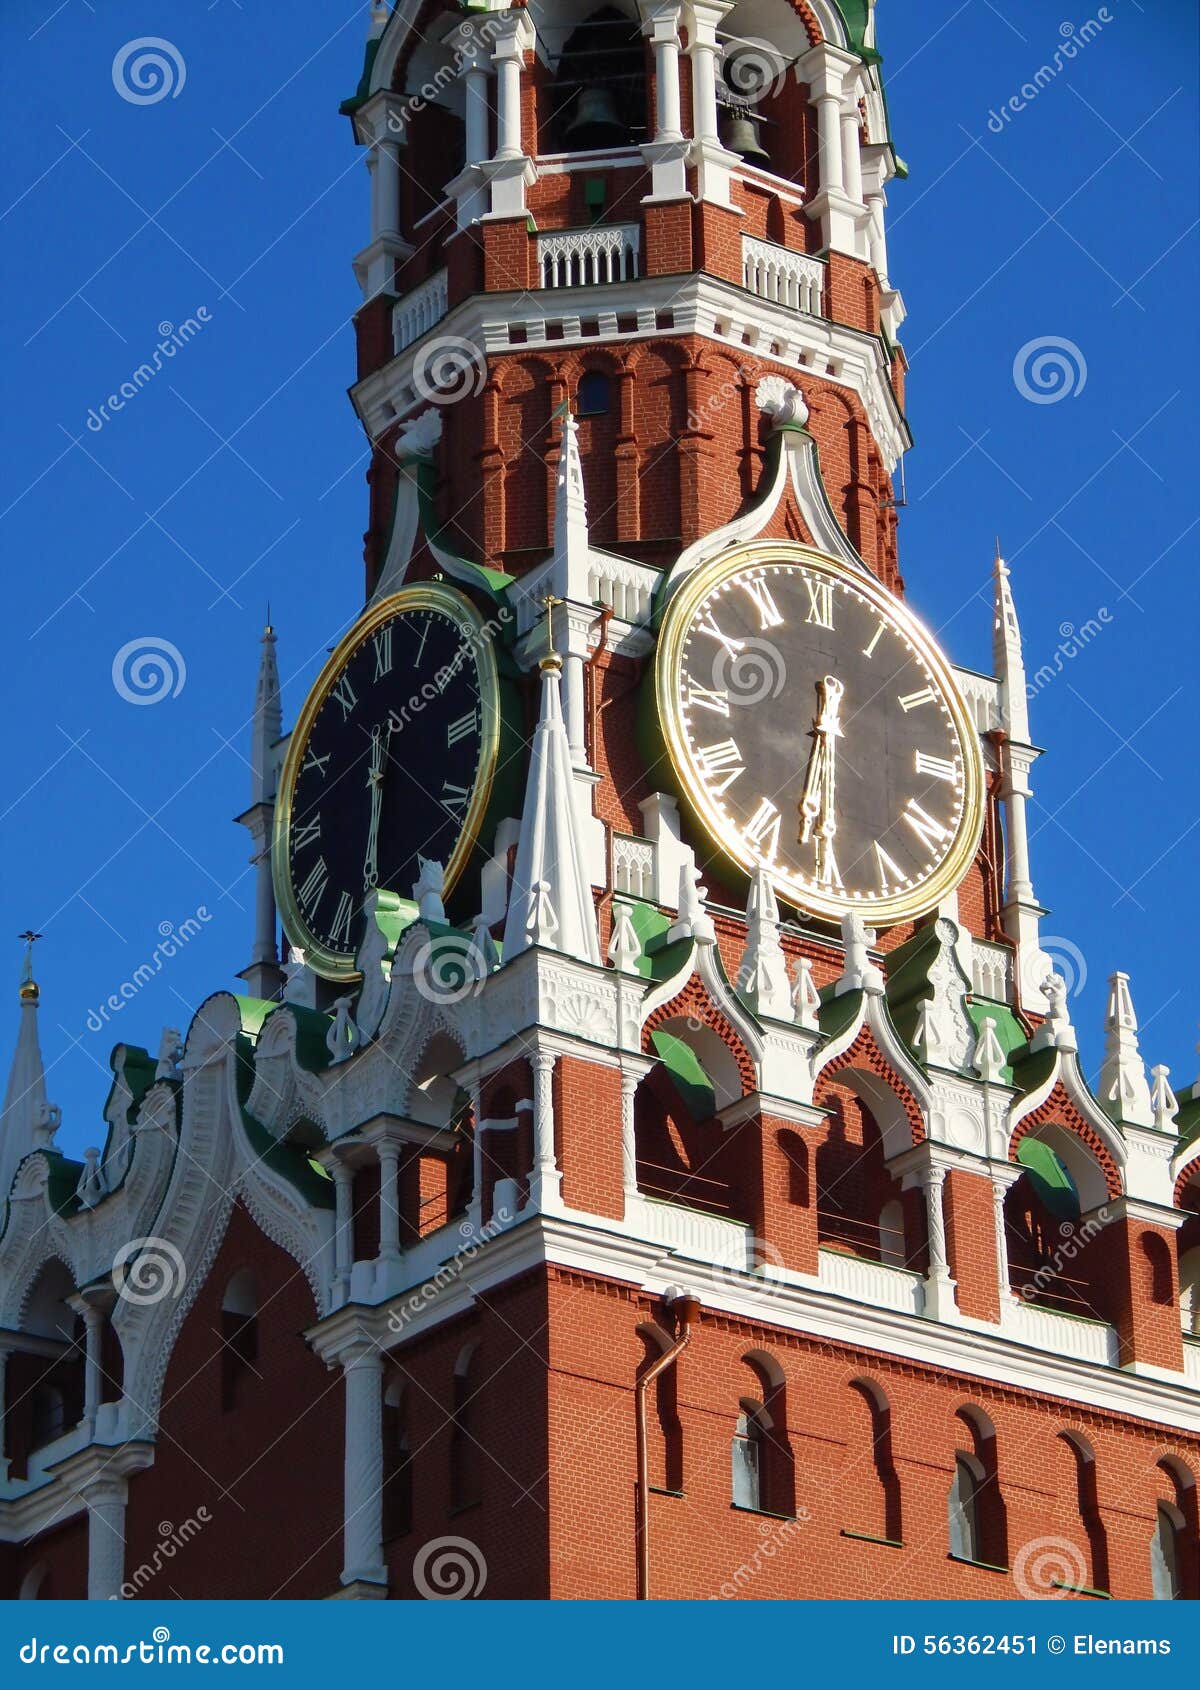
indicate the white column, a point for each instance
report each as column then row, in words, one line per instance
column 509, row 57
column 1017, row 791
column 383, row 161
column 93, row 1325
column 389, row 1199
column 105, row 1498
column 852, row 153
column 939, row 1287
column 629, row 1085
column 829, row 141
column 999, row 1192
column 665, row 40
column 712, row 162
column 343, row 1234
column 547, row 1181
column 362, row 1534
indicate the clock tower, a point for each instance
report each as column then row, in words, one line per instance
column 670, row 1117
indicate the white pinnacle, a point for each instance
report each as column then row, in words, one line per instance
column 551, row 903
column 762, row 975
column 1124, row 1091
column 859, row 974
column 29, row 1121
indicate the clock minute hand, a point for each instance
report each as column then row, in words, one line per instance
column 375, row 782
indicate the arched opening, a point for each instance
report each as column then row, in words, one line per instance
column 239, row 1337
column 595, row 394
column 1087, row 1501
column 1158, row 1280
column 45, row 1393
column 397, row 1461
column 684, row 1154
column 597, row 98
column 1189, row 1292
column 855, row 1189
column 762, row 1458
column 466, row 1474
column 48, row 1414
column 746, row 1458
column 878, row 1506
column 977, row 1512
column 36, row 1584
column 1048, row 1240
column 1177, row 1550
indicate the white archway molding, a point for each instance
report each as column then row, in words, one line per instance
column 1065, row 1069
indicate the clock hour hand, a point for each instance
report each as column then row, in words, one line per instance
column 375, row 784
column 818, row 807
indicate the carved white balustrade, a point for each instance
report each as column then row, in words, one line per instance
column 785, row 278
column 1062, row 1334
column 580, row 258
column 991, row 971
column 869, row 1282
column 633, row 865
column 418, row 311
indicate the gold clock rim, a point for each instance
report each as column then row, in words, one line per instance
column 422, row 595
column 669, row 699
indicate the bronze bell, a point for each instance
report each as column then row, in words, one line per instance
column 739, row 134
column 595, row 122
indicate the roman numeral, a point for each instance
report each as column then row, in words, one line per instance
column 312, row 761
column 346, row 696
column 768, row 610
column 454, row 799
column 312, row 889
column 910, row 700
column 869, row 650
column 713, row 758
column 931, row 832
column 941, row 768
column 715, row 699
column 709, row 627
column 827, row 871
column 306, row 833
column 820, row 602
column 343, row 920
column 889, row 873
column 762, row 830
column 466, row 726
column 382, row 643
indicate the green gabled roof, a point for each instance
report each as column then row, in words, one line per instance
column 349, row 106
column 137, row 1070
column 1010, row 1034
column 856, row 15
column 1031, row 1068
column 660, row 959
column 837, row 1013
column 494, row 582
column 1049, row 1177
column 64, row 1177
column 908, row 983
column 1187, row 1122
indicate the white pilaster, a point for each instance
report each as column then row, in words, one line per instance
column 343, row 1237
column 546, row 1184
column 389, row 1199
column 830, row 73
column 667, row 152
column 106, row 1496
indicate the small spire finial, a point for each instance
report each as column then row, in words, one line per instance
column 551, row 660
column 29, row 990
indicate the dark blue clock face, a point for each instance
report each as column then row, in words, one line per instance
column 387, row 773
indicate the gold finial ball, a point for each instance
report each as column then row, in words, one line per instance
column 29, row 991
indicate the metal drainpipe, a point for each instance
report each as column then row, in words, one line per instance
column 686, row 1309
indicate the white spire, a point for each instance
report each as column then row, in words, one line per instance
column 1007, row 654
column 1166, row 1104
column 570, row 504
column 806, row 1000
column 551, row 903
column 262, row 975
column 988, row 1057
column 762, row 975
column 29, row 1121
column 268, row 722
column 1124, row 1089
column 624, row 947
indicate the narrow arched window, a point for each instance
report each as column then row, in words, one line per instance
column 1160, row 1287
column 879, row 1506
column 1164, row 1555
column 239, row 1336
column 1189, row 1292
column 48, row 1416
column 962, row 1508
column 466, row 1481
column 746, row 1453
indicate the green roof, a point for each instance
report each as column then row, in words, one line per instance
column 688, row 1074
column 1049, row 1178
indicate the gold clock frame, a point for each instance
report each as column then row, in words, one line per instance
column 669, row 700
column 425, row 595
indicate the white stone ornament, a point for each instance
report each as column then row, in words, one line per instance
column 343, row 1038
column 1056, row 1031
column 170, row 1054
column 694, row 920
column 624, row 947
column 860, row 974
column 945, row 1037
column 91, row 1187
column 1124, row 1090
column 781, row 400
column 806, row 1000
column 988, row 1058
column 483, row 947
column 299, row 981
column 762, row 974
column 418, row 438
column 1163, row 1099
column 427, row 891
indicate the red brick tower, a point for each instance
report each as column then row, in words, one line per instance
column 671, row 1137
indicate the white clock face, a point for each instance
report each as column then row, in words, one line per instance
column 818, row 733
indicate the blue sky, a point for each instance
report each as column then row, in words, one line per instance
column 237, row 475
